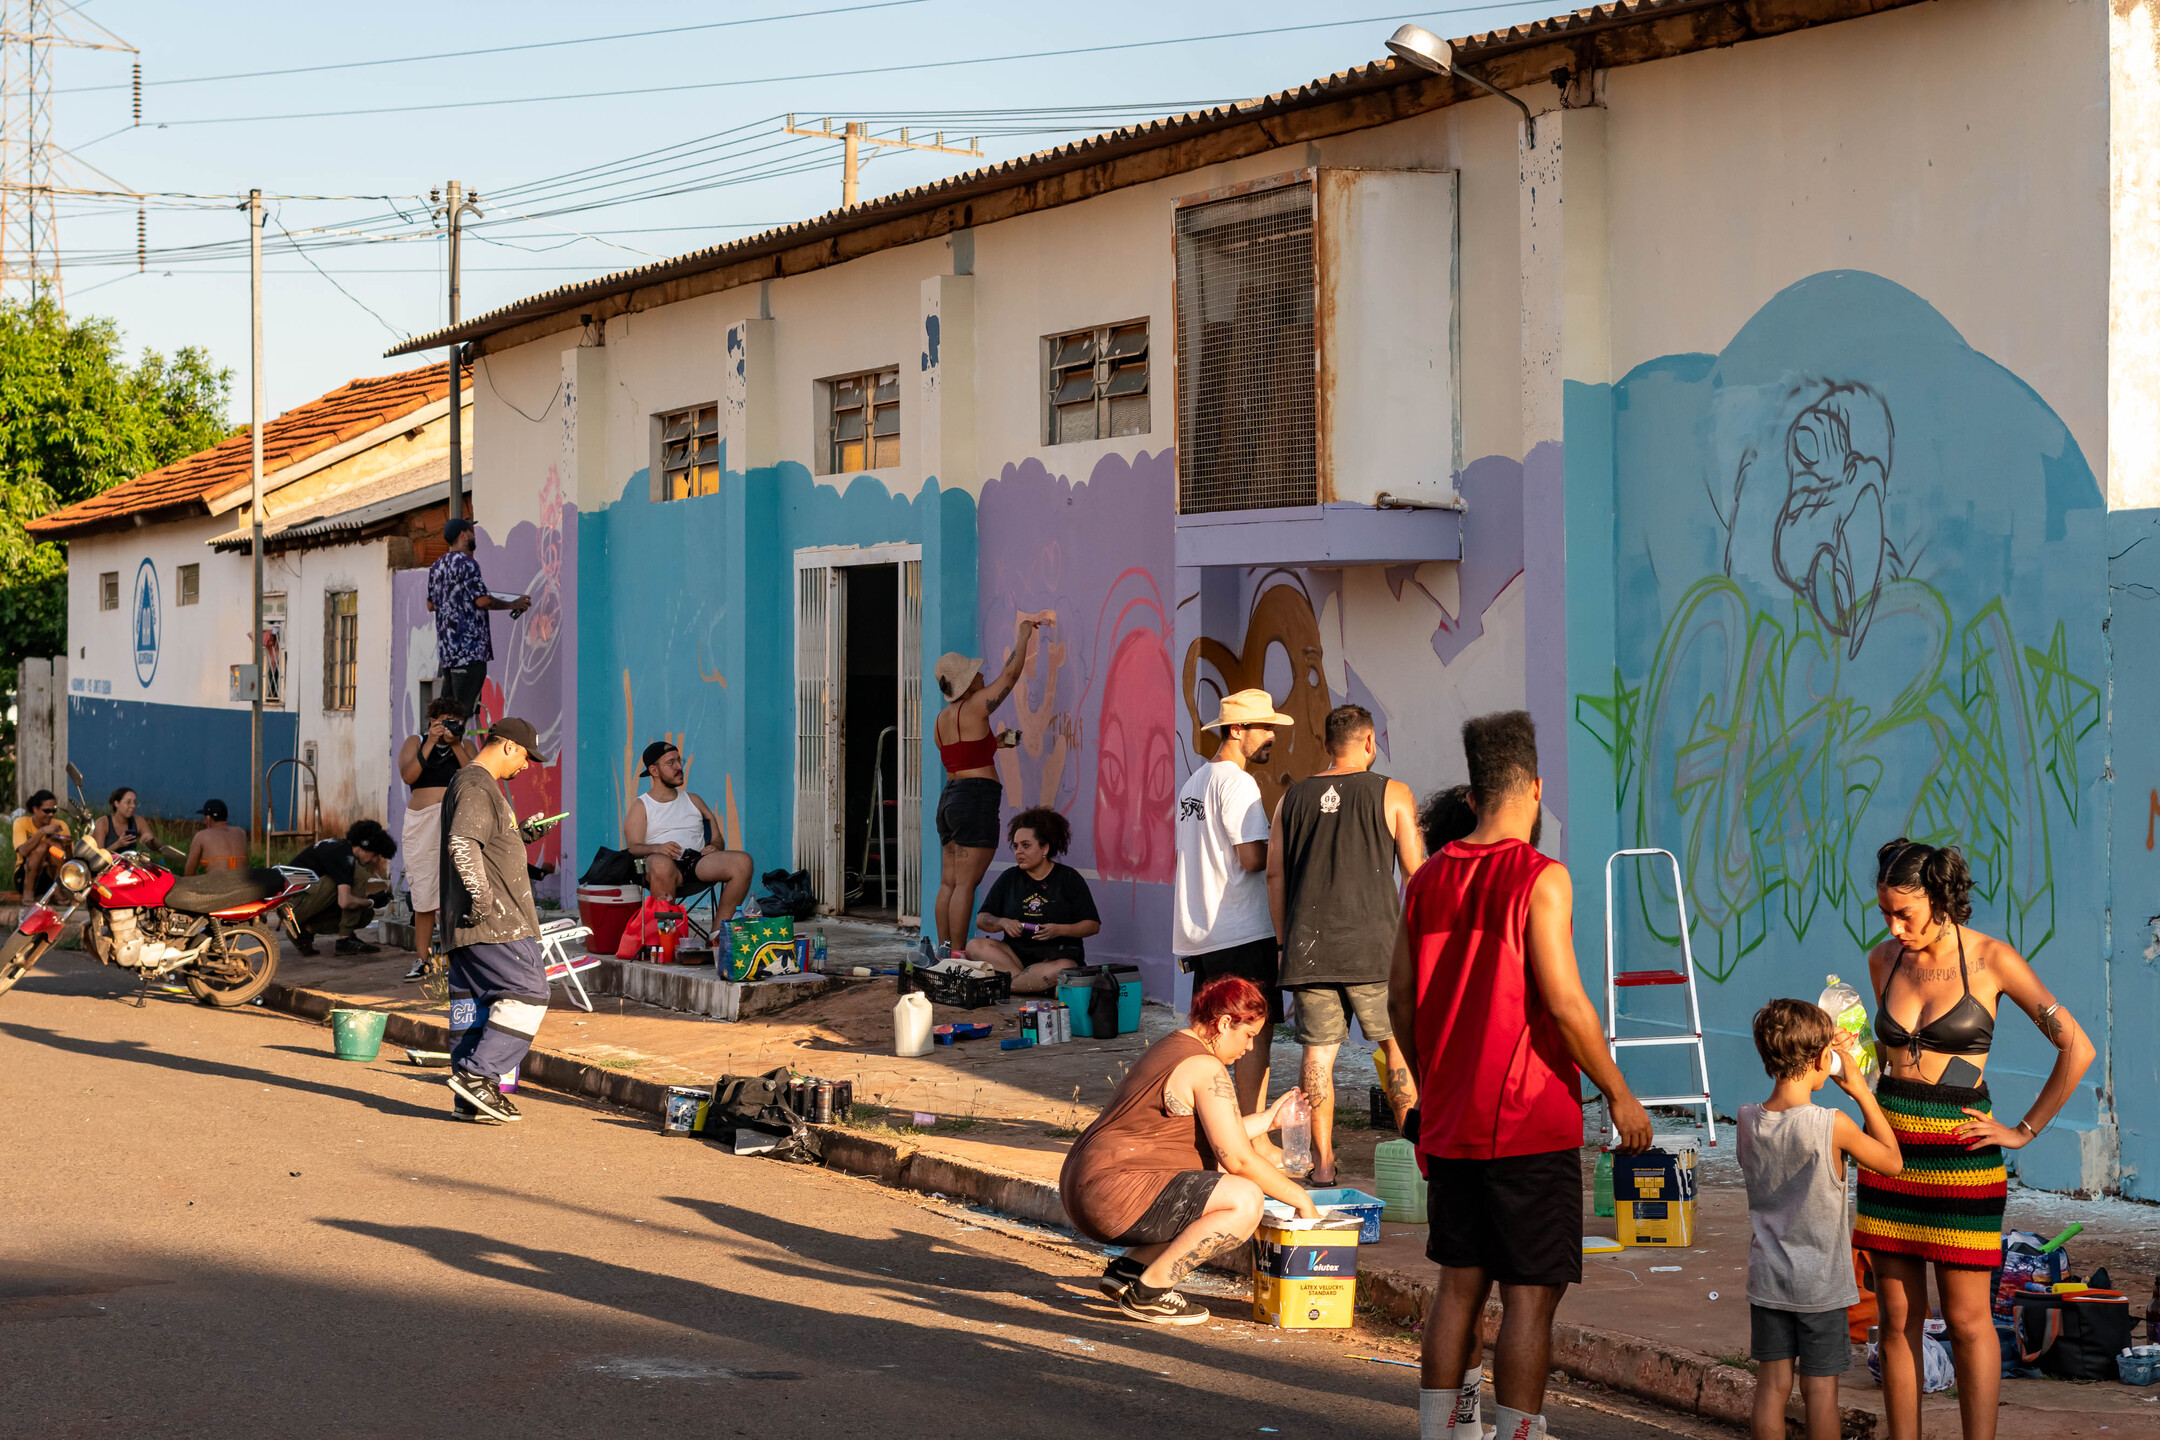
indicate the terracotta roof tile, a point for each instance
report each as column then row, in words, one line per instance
column 346, row 413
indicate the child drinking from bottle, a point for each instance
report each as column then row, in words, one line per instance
column 1800, row 1271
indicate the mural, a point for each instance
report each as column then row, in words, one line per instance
column 1857, row 596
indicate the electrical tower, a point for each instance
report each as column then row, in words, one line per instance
column 31, row 165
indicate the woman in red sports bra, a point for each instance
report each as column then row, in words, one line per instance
column 967, row 808
column 1939, row 986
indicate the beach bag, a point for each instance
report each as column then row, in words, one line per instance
column 2022, row 1262
column 1862, row 1313
column 643, row 928
column 2074, row 1336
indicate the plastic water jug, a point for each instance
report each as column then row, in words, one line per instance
column 1396, row 1181
column 1601, row 1196
column 911, row 1024
column 1297, row 1136
column 1848, row 1013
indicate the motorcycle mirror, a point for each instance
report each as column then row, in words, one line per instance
column 75, row 774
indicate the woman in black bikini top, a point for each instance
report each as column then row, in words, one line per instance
column 1946, row 1206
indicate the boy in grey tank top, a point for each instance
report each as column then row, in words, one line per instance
column 1800, row 1271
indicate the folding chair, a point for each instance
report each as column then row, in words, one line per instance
column 698, row 892
column 566, row 967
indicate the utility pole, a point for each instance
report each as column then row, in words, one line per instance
column 258, row 826
column 453, row 214
column 856, row 135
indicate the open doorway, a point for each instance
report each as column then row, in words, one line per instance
column 870, row 719
column 858, row 728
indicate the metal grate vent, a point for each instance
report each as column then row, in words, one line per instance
column 1246, row 428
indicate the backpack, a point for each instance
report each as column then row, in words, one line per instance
column 759, row 1102
column 611, row 867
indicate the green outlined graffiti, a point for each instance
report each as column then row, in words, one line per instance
column 1758, row 745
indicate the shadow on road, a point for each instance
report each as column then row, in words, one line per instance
column 141, row 1053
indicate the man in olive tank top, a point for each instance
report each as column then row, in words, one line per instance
column 1343, row 843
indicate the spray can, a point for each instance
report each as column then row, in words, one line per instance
column 821, row 1107
column 843, row 1101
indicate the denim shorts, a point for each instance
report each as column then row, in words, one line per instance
column 1819, row 1340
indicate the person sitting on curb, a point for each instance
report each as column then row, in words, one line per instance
column 217, row 846
column 666, row 827
column 338, row 865
column 1169, row 1169
column 1038, row 912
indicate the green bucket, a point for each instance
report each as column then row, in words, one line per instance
column 358, row 1033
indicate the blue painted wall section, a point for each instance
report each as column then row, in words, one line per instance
column 2134, row 830
column 1856, row 578
column 176, row 756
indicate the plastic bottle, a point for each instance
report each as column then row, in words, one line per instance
column 1601, row 1186
column 817, row 948
column 1849, row 1013
column 911, row 1024
column 1297, row 1136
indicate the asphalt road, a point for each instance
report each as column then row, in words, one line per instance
column 213, row 1227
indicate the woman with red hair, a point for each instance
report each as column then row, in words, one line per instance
column 1168, row 1170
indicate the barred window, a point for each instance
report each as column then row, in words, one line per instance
column 863, row 428
column 341, row 649
column 1096, row 383
column 1247, row 432
column 690, row 452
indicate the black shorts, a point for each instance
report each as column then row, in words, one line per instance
column 967, row 812
column 1259, row 961
column 1180, row 1202
column 1519, row 1218
column 1819, row 1340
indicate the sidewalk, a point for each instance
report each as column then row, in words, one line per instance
column 1005, row 1118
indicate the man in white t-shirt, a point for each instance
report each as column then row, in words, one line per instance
column 1221, row 925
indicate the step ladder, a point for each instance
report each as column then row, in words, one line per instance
column 1618, row 980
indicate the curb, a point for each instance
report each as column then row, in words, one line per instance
column 1677, row 1379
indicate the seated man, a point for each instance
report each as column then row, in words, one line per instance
column 37, row 830
column 217, row 846
column 1039, row 911
column 667, row 827
column 339, row 886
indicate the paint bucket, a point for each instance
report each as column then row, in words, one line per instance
column 357, row 1034
column 679, row 1115
column 606, row 909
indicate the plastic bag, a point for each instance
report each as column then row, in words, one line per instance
column 1937, row 1372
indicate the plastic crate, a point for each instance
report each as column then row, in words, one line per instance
column 1345, row 1201
column 962, row 992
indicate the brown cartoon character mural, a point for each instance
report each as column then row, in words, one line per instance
column 1283, row 616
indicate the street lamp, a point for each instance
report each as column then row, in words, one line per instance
column 1427, row 51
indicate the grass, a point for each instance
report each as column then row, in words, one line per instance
column 617, row 1064
column 1738, row 1361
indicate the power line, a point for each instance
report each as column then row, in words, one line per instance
column 502, row 49
column 401, row 335
column 838, row 74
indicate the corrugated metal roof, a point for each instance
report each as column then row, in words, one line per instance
column 406, row 489
column 189, row 485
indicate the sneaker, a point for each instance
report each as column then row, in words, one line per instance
column 464, row 1109
column 419, row 968
column 354, row 945
column 484, row 1094
column 304, row 942
column 1120, row 1275
column 1168, row 1308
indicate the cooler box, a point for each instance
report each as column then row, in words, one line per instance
column 1654, row 1193
column 1075, row 986
column 1305, row 1278
column 754, row 946
column 607, row 909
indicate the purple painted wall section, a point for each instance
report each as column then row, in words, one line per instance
column 1096, row 704
column 533, row 670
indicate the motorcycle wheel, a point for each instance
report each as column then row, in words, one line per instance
column 16, row 957
column 250, row 963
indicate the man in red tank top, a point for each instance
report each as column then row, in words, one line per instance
column 1494, row 1022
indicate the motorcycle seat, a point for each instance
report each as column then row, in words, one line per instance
column 217, row 890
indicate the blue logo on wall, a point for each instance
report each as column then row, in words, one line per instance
column 146, row 622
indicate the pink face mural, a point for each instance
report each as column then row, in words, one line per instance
column 1136, row 757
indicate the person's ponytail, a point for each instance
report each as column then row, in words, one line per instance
column 1939, row 872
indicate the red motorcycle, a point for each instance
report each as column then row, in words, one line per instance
column 215, row 931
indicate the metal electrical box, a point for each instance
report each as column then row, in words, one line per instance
column 245, row 681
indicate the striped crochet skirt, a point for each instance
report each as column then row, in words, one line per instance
column 1948, row 1204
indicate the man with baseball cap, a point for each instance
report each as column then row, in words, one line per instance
column 457, row 596
column 487, row 907
column 679, row 839
column 217, row 846
column 1220, row 923
column 967, row 806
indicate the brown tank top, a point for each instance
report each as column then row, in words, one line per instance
column 1121, row 1162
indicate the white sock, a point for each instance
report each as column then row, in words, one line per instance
column 1470, row 1409
column 1520, row 1424
column 1436, row 1414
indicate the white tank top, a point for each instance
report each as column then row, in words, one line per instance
column 675, row 819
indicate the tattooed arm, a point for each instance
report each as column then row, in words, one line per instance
column 1214, row 1099
column 2073, row 1052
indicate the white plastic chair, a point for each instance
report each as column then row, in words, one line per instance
column 565, row 966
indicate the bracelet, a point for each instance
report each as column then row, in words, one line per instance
column 2026, row 1126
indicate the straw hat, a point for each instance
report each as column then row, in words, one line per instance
column 1248, row 707
column 954, row 670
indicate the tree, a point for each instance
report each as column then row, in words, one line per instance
column 75, row 419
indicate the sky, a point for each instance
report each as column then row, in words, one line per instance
column 589, row 156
